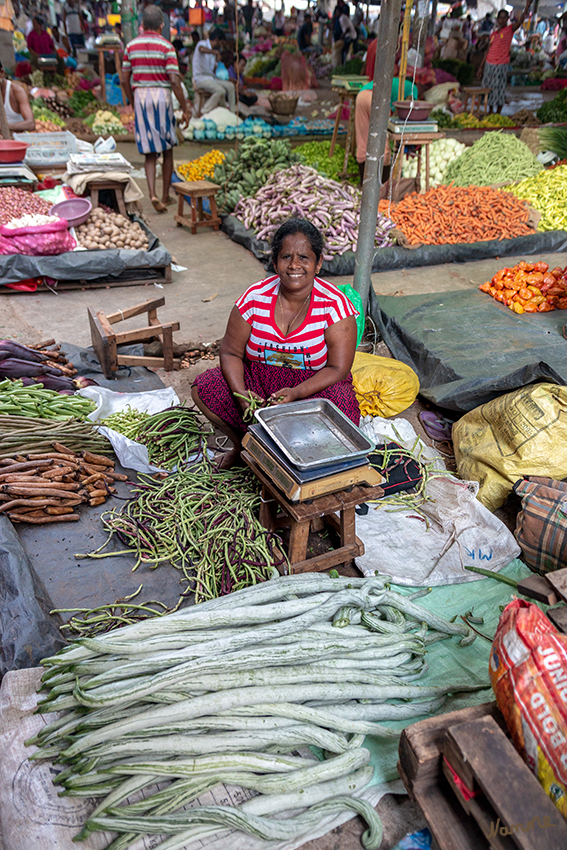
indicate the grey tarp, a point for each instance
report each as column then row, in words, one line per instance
column 390, row 259
column 85, row 265
column 28, row 633
column 467, row 348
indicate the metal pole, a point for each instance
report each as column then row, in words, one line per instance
column 433, row 19
column 377, row 137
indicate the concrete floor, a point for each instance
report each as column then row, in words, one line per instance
column 216, row 266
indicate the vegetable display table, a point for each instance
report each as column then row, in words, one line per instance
column 350, row 97
column 117, row 50
column 418, row 140
column 472, row 93
column 299, row 517
column 195, row 192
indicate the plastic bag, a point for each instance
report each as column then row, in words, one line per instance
column 383, row 386
column 439, row 94
column 528, row 671
column 519, row 434
column 356, row 301
column 107, row 401
column 45, row 240
column 221, row 71
column 541, row 525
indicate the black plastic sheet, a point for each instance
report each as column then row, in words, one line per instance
column 28, row 633
column 85, row 265
column 390, row 259
column 467, row 348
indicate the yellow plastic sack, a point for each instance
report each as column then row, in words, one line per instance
column 384, row 387
column 520, row 433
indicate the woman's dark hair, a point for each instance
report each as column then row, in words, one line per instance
column 290, row 228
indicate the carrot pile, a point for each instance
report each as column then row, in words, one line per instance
column 48, row 487
column 453, row 214
column 529, row 288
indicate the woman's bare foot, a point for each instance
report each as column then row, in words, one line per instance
column 169, row 201
column 158, row 205
column 229, row 459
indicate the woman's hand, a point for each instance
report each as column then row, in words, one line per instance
column 249, row 402
column 284, row 396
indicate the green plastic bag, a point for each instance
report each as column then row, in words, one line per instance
column 356, row 301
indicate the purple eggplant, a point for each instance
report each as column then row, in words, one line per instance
column 14, row 368
column 81, row 382
column 51, row 382
column 21, row 352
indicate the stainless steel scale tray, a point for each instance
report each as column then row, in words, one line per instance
column 313, row 432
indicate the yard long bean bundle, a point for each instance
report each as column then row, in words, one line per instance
column 224, row 692
column 204, row 521
column 20, row 435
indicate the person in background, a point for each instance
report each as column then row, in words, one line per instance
column 205, row 59
column 248, row 13
column 562, row 39
column 304, row 34
column 278, row 22
column 348, row 33
column 495, row 71
column 16, row 105
column 149, row 74
column 468, row 29
column 321, row 18
column 9, row 17
column 61, row 41
column 235, row 73
column 74, row 23
column 487, row 25
column 291, row 336
column 39, row 41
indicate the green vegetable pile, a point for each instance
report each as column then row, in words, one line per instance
column 42, row 113
column 79, row 100
column 36, row 401
column 547, row 193
column 245, row 171
column 554, row 111
column 494, row 158
column 316, row 154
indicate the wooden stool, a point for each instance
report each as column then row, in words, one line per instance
column 116, row 49
column 96, row 186
column 105, row 341
column 299, row 516
column 472, row 93
column 419, row 140
column 350, row 144
column 196, row 191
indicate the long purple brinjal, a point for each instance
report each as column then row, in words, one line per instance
column 21, row 352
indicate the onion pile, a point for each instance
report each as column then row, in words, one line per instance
column 16, row 202
column 111, row 230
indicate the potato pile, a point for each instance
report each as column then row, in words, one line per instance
column 111, row 230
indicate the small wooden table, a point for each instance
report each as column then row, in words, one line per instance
column 473, row 93
column 345, row 95
column 419, row 140
column 96, row 186
column 116, row 49
column 276, row 511
column 196, row 191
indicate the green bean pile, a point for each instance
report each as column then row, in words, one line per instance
column 17, row 400
column 205, row 522
column 20, row 435
column 172, row 436
column 126, row 421
column 494, row 158
column 227, row 692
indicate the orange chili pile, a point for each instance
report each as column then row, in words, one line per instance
column 453, row 214
column 529, row 288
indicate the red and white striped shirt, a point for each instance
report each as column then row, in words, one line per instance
column 151, row 58
column 499, row 49
column 304, row 348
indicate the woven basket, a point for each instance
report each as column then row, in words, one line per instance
column 282, row 104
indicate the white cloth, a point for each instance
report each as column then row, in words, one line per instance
column 78, row 182
column 347, row 27
column 203, row 63
column 11, row 116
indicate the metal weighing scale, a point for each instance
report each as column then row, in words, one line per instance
column 313, row 465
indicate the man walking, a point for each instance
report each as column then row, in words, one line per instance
column 204, row 63
column 150, row 72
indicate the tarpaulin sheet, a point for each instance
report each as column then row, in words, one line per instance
column 390, row 259
column 467, row 348
column 85, row 265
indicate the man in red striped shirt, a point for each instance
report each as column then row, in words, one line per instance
column 495, row 73
column 150, row 72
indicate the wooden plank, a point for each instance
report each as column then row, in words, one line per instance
column 137, row 334
column 298, row 539
column 558, row 580
column 150, row 362
column 452, row 828
column 509, row 786
column 329, row 559
column 480, row 809
column 136, row 310
column 420, row 743
column 558, row 617
column 538, row 588
column 105, row 353
column 204, row 186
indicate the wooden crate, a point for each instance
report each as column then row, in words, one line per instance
column 445, row 759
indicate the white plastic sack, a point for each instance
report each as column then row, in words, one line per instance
column 461, row 530
column 131, row 455
column 107, row 401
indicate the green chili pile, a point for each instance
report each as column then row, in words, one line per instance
column 157, row 713
column 204, row 521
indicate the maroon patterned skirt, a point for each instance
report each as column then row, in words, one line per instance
column 264, row 380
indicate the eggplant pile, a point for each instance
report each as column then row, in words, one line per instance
column 38, row 366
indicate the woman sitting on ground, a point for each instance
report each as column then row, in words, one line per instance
column 291, row 336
